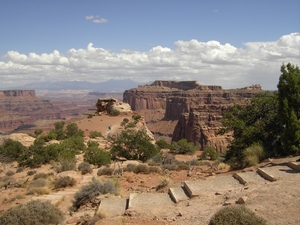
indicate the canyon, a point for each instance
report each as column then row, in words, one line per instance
column 186, row 109
column 22, row 108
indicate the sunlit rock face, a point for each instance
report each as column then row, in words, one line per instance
column 187, row 109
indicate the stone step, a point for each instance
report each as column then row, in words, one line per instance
column 266, row 175
column 112, row 207
column 211, row 185
column 249, row 177
column 150, row 203
column 294, row 165
column 280, row 172
column 178, row 194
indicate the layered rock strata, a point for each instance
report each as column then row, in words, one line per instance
column 187, row 109
column 23, row 107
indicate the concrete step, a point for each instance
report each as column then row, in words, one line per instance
column 249, row 177
column 112, row 207
column 150, row 203
column 211, row 185
column 178, row 194
column 294, row 165
column 280, row 172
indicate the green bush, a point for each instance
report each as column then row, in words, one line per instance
column 94, row 188
column 134, row 145
column 124, row 122
column 209, row 153
column 63, row 182
column 85, row 168
column 37, row 132
column 20, row 169
column 183, row 147
column 254, row 154
column 12, row 151
column 136, row 117
column 130, row 125
column 236, row 215
column 130, row 167
column 105, row 171
column 31, row 172
column 94, row 134
column 32, row 213
column 96, row 156
column 114, row 112
column 163, row 144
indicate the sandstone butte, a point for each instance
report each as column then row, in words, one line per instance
column 22, row 107
column 186, row 109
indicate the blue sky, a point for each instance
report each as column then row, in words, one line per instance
column 232, row 43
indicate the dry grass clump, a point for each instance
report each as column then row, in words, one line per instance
column 42, row 176
column 94, row 188
column 63, row 182
column 141, row 168
column 32, row 213
column 85, row 168
column 164, row 183
column 10, row 173
column 38, row 187
column 31, row 172
column 105, row 171
column 236, row 215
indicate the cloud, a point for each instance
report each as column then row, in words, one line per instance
column 207, row 62
column 215, row 10
column 96, row 19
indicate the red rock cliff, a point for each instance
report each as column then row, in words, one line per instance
column 187, row 109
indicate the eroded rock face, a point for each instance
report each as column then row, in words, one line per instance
column 23, row 107
column 196, row 108
column 109, row 104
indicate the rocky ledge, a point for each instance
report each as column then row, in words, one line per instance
column 187, row 109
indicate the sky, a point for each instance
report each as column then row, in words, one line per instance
column 231, row 43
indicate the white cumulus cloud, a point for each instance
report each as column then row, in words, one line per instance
column 207, row 62
column 96, row 19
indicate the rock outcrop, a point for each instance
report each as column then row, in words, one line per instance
column 109, row 104
column 22, row 107
column 187, row 109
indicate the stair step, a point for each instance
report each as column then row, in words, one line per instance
column 178, row 194
column 211, row 184
column 294, row 165
column 112, row 207
column 282, row 172
column 150, row 203
column 249, row 177
column 266, row 175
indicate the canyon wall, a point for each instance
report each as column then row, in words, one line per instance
column 23, row 107
column 177, row 110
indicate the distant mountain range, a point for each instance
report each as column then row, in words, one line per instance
column 110, row 85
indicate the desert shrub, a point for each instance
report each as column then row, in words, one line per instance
column 163, row 144
column 6, row 180
column 41, row 182
column 114, row 112
column 31, row 172
column 65, row 164
column 32, row 213
column 37, row 132
column 193, row 162
column 105, row 171
column 130, row 125
column 183, row 147
column 37, row 191
column 136, row 117
column 124, row 122
column 10, row 173
column 141, row 168
column 170, row 167
column 85, row 168
column 87, row 219
column 236, row 215
column 94, row 134
column 42, row 176
column 164, row 183
column 20, row 169
column 63, row 182
column 12, row 150
column 134, row 145
column 94, row 188
column 254, row 154
column 154, row 169
column 130, row 167
column 96, row 156
column 182, row 166
column 209, row 153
